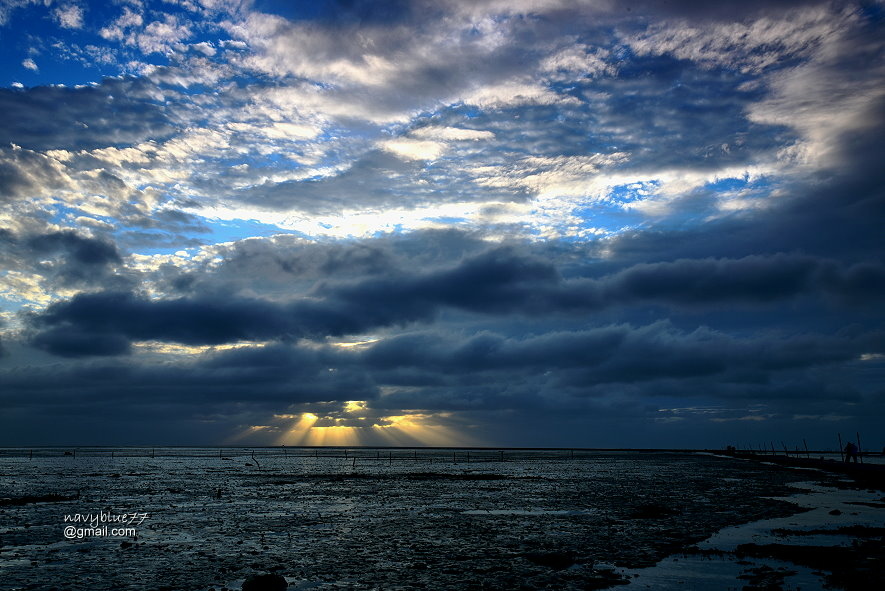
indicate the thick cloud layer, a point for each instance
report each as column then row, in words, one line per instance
column 491, row 223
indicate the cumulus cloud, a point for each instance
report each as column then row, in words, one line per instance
column 69, row 16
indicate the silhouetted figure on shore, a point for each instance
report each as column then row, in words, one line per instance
column 851, row 452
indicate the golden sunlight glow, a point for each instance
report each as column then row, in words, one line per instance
column 178, row 349
column 354, row 405
column 350, row 344
column 399, row 430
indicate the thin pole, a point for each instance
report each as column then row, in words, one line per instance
column 859, row 454
column 841, row 449
column 807, row 455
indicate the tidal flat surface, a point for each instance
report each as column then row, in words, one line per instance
column 376, row 519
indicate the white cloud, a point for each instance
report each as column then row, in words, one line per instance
column 749, row 46
column 577, row 61
column 205, row 48
column 161, row 36
column 515, row 93
column 30, row 64
column 69, row 16
column 451, row 134
column 118, row 30
column 823, row 100
column 414, row 149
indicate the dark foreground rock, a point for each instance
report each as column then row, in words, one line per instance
column 269, row 582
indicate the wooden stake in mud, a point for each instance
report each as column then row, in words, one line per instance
column 255, row 460
column 859, row 454
column 807, row 455
column 786, row 452
column 841, row 449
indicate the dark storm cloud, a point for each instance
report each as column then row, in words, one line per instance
column 265, row 379
column 116, row 112
column 80, row 249
column 65, row 257
column 189, row 321
column 616, row 354
column 503, row 281
column 487, row 371
column 498, row 282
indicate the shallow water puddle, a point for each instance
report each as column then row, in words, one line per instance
column 716, row 567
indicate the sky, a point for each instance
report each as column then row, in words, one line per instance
column 498, row 223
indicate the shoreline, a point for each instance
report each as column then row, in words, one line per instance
column 833, row 541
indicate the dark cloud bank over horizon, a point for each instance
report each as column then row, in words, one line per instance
column 607, row 337
column 696, row 326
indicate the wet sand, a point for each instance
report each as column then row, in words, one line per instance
column 589, row 522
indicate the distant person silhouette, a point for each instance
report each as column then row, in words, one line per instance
column 851, row 452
